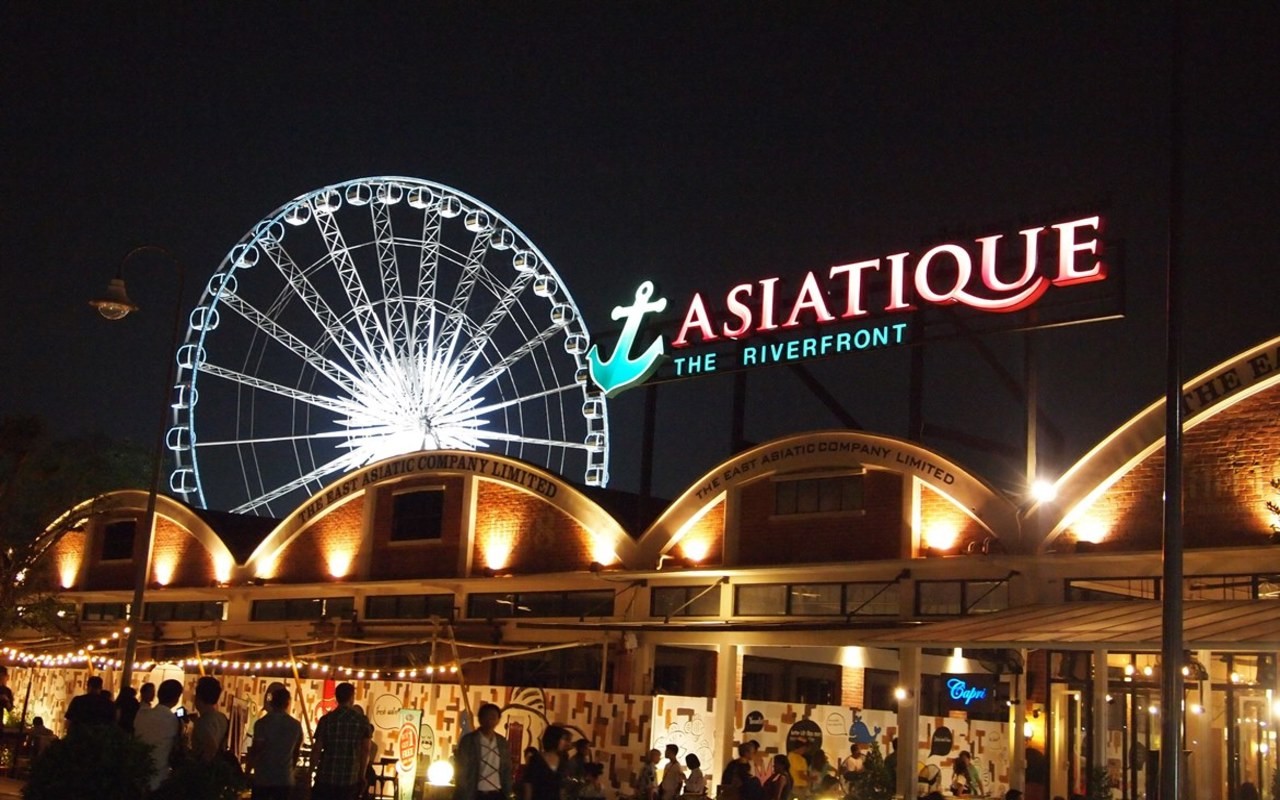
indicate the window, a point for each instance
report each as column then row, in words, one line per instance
column 877, row 689
column 1084, row 589
column 418, row 515
column 1233, row 587
column 104, row 612
column 955, row 598
column 194, row 611
column 817, row 599
column 668, row 601
column 117, row 540
column 302, row 608
column 595, row 603
column 783, row 680
column 409, row 606
column 577, row 668
column 817, row 495
column 762, row 600
column 871, row 599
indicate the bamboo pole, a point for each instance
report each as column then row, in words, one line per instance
column 297, row 683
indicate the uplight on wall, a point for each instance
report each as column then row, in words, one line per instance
column 602, row 552
column 164, row 567
column 340, row 563
column 222, row 564
column 696, row 549
column 68, row 568
column 1090, row 530
column 941, row 535
column 499, row 543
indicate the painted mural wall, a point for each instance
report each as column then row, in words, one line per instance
column 620, row 728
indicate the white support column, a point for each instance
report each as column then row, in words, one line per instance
column 908, row 720
column 1098, row 739
column 1200, row 734
column 726, row 705
column 1018, row 742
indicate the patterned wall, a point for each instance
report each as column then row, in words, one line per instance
column 620, row 728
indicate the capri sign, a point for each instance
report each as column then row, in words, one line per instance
column 845, row 308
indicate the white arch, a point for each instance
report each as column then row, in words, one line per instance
column 1210, row 393
column 833, row 448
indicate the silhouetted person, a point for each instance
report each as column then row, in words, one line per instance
column 340, row 748
column 40, row 736
column 276, row 740
column 127, row 706
column 6, row 694
column 91, row 708
column 159, row 727
column 209, row 733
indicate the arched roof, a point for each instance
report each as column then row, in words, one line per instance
column 518, row 474
column 824, row 450
column 135, row 500
column 1210, row 393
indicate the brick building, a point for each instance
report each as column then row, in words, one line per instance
column 831, row 569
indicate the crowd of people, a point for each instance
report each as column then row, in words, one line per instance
column 341, row 756
column 342, row 753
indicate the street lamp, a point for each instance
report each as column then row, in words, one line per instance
column 116, row 305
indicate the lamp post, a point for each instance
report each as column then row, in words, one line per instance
column 116, row 305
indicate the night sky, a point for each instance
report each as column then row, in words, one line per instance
column 698, row 144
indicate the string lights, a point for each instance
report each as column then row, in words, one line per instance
column 96, row 654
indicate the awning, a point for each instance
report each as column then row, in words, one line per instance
column 1240, row 625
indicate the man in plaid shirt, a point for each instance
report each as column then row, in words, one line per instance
column 340, row 749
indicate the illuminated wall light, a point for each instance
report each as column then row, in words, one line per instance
column 266, row 569
column 696, row 549
column 1028, row 730
column 340, row 563
column 499, row 543
column 1044, row 491
column 1093, row 531
column 941, row 535
column 165, row 566
column 68, row 569
column 602, row 552
column 853, row 657
column 222, row 564
column 901, row 693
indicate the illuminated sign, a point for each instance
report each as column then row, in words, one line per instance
column 843, row 309
column 621, row 371
column 969, row 692
column 959, row 690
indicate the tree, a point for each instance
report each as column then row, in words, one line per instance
column 874, row 781
column 99, row 761
column 40, row 480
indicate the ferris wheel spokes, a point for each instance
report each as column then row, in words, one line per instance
column 334, row 404
column 335, row 372
column 367, row 322
column 346, row 461
column 380, row 212
column 355, row 350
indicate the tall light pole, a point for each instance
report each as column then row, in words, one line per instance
column 116, row 305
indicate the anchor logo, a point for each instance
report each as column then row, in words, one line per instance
column 620, row 371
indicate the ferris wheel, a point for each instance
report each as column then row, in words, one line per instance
column 373, row 318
